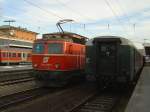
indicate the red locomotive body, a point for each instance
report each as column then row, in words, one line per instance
column 58, row 57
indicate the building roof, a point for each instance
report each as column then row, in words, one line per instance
column 15, row 43
column 146, row 44
column 2, row 33
column 17, row 28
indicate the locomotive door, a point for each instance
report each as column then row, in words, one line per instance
column 106, row 58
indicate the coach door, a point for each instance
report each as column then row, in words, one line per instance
column 23, row 56
column 107, row 58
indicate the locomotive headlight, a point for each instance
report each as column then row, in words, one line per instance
column 57, row 65
column 35, row 65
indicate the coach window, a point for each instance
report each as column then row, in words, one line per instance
column 29, row 55
column 38, row 48
column 10, row 54
column 13, row 54
column 6, row 54
column 3, row 54
column 19, row 54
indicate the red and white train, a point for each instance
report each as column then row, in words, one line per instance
column 14, row 51
column 15, row 56
column 58, row 57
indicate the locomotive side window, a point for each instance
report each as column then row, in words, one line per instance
column 38, row 48
column 55, row 48
column 70, row 49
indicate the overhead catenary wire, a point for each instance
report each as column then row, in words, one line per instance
column 123, row 11
column 24, row 24
column 14, row 9
column 17, row 20
column 29, row 13
column 127, row 17
column 78, row 13
column 54, row 14
column 75, row 11
column 116, row 16
column 44, row 10
column 128, row 21
column 47, row 11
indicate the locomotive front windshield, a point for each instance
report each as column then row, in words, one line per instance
column 38, row 48
column 55, row 48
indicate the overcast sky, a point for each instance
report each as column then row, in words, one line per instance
column 127, row 18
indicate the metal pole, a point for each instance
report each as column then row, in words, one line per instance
column 9, row 21
column 134, row 29
column 108, row 26
column 84, row 27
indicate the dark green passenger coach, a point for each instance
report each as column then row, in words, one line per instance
column 112, row 60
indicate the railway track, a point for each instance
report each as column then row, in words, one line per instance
column 98, row 103
column 80, row 98
column 59, row 101
column 15, row 74
column 14, row 81
column 11, row 77
column 14, row 99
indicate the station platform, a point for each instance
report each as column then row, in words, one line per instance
column 16, row 67
column 140, row 99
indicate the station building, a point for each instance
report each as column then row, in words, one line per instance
column 15, row 44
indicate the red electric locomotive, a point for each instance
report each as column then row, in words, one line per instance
column 57, row 57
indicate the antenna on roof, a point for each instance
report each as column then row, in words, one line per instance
column 58, row 24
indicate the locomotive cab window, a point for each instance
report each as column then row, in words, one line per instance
column 55, row 48
column 38, row 48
